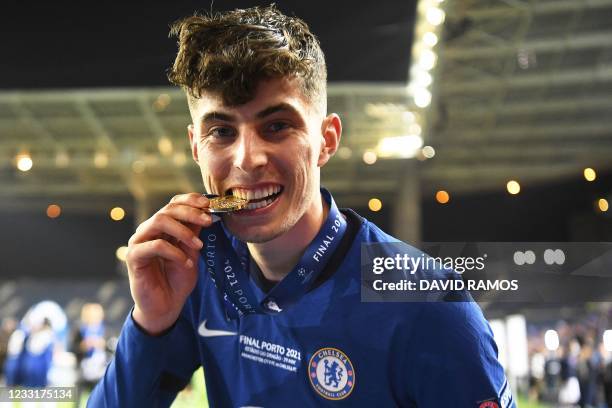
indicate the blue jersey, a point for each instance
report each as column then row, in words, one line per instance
column 327, row 349
column 89, row 332
column 30, row 365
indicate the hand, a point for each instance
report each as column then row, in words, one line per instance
column 162, row 261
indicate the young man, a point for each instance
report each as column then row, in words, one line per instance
column 268, row 299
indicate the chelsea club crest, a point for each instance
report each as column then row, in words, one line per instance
column 331, row 373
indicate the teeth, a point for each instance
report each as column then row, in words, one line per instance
column 255, row 194
column 237, row 192
column 254, row 206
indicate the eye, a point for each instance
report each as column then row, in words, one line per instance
column 221, row 132
column 277, row 126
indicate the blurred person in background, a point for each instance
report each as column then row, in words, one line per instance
column 7, row 328
column 536, row 374
column 89, row 346
column 607, row 374
column 590, row 372
column 569, row 391
column 32, row 346
column 552, row 375
column 30, row 356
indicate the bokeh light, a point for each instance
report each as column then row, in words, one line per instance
column 589, row 174
column 513, row 187
column 442, row 197
column 121, row 253
column 54, row 211
column 369, row 157
column 24, row 162
column 374, row 204
column 117, row 214
column 551, row 340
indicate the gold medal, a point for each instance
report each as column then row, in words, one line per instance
column 226, row 204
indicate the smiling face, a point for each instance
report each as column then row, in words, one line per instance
column 268, row 150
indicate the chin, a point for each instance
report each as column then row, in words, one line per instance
column 259, row 230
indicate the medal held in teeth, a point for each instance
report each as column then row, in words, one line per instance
column 227, row 204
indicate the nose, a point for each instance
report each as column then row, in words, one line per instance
column 250, row 154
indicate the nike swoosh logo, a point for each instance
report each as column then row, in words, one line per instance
column 206, row 332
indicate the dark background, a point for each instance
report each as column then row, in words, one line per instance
column 117, row 44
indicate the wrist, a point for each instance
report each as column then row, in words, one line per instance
column 155, row 327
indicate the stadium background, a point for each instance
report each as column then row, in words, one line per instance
column 444, row 104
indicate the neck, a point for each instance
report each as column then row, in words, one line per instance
column 277, row 258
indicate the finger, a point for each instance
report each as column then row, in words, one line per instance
column 193, row 199
column 142, row 253
column 196, row 229
column 188, row 214
column 163, row 225
column 191, row 253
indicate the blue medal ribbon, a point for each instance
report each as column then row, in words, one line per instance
column 226, row 260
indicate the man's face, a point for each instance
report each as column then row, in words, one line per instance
column 268, row 150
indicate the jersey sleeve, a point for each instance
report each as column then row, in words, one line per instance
column 452, row 360
column 146, row 370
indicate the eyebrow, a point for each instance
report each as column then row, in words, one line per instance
column 211, row 116
column 281, row 107
column 226, row 117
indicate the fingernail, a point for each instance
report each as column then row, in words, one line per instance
column 197, row 242
column 189, row 263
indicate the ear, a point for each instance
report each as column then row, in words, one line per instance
column 192, row 143
column 331, row 132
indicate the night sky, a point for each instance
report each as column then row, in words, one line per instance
column 117, row 44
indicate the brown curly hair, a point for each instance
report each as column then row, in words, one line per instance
column 229, row 53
